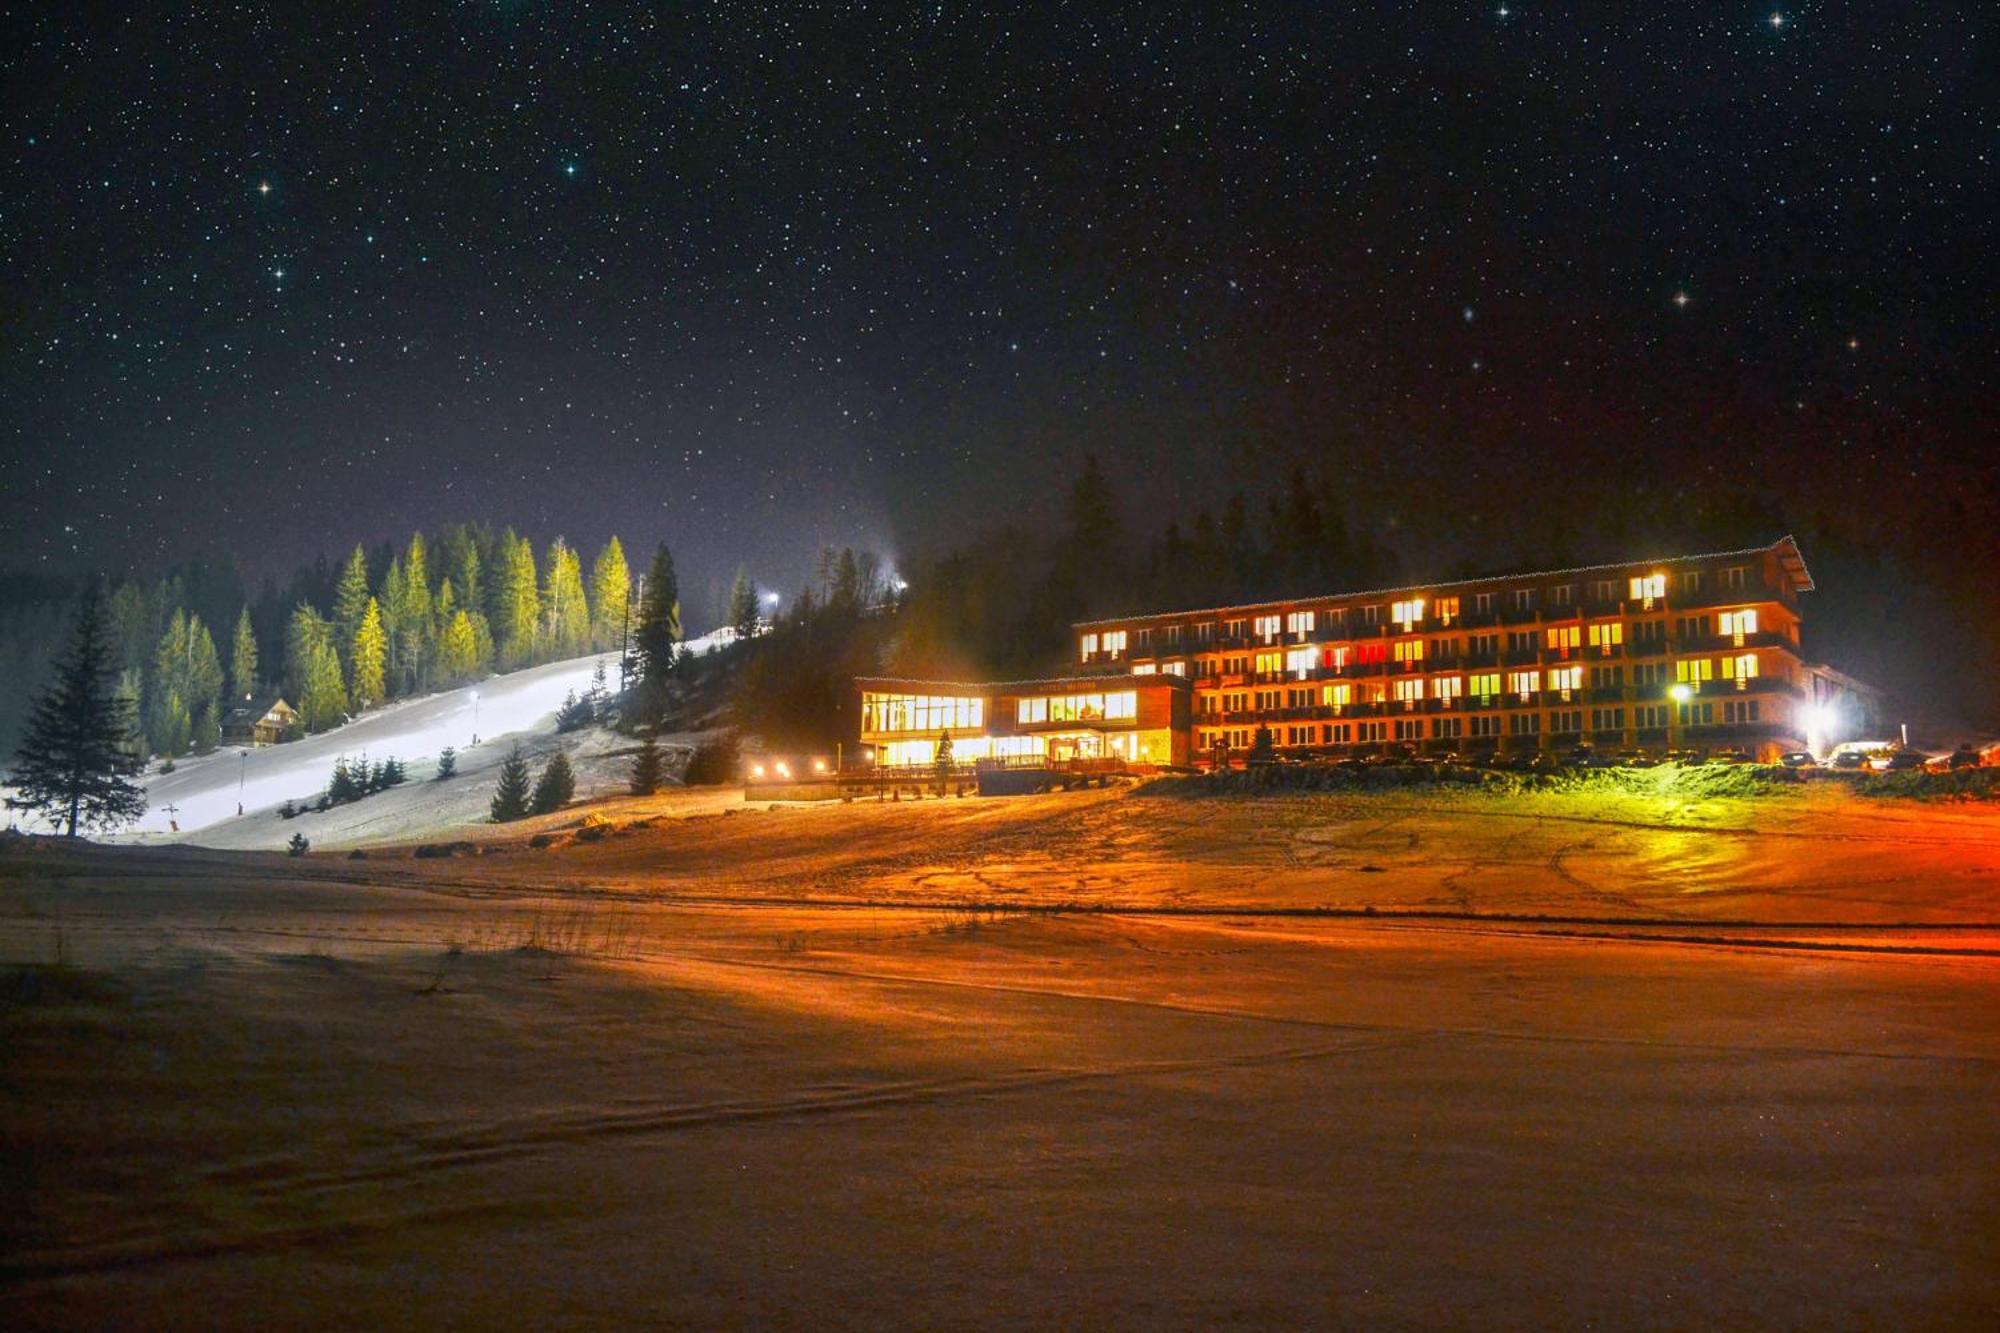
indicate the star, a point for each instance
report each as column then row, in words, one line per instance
column 263, row 187
column 569, row 169
column 1777, row 20
column 1681, row 299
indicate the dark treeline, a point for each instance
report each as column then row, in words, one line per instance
column 1000, row 606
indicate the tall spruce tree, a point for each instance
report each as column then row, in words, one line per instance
column 743, row 605
column 350, row 603
column 413, row 618
column 243, row 660
column 565, row 614
column 368, row 655
column 510, row 798
column 187, row 670
column 656, row 636
column 520, row 605
column 72, row 762
column 610, row 590
column 458, row 651
column 313, row 665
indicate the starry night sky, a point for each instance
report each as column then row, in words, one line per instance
column 749, row 279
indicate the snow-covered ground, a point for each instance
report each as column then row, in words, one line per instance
column 202, row 795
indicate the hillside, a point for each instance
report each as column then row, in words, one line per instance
column 202, row 794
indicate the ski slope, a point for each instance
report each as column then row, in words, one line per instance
column 230, row 798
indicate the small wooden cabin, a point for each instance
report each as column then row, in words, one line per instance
column 258, row 721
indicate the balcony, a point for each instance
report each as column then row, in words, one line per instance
column 1515, row 616
column 1530, row 657
column 1473, row 661
column 1607, row 694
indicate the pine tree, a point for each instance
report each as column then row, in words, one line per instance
column 173, row 729
column 510, row 798
column 413, row 618
column 346, row 784
column 367, row 653
column 520, row 606
column 556, row 787
column 392, row 774
column 314, row 668
column 610, row 589
column 657, row 635
column 575, row 714
column 565, row 614
column 350, row 604
column 647, row 767
column 243, row 660
column 207, row 730
column 942, row 763
column 743, row 605
column 447, row 764
column 185, row 667
column 458, row 651
column 72, row 764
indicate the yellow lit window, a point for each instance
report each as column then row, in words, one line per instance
column 1411, row 690
column 1743, row 666
column 1085, row 646
column 1523, row 683
column 1564, row 636
column 1299, row 622
column 1336, row 696
column 1694, row 670
column 1143, row 669
column 1174, row 668
column 1448, row 687
column 1267, row 627
column 1446, row 609
column 1300, row 662
column 1736, row 624
column 1372, row 691
column 1114, row 641
column 1409, row 650
column 1566, row 678
column 921, row 712
column 1407, row 613
column 1648, row 587
column 1486, row 684
column 1607, row 634
column 1270, row 664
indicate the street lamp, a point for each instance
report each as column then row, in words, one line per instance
column 475, row 717
column 1680, row 692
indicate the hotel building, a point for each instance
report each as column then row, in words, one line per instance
column 1698, row 652
column 1142, row 719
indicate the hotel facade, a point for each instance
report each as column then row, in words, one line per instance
column 1696, row 653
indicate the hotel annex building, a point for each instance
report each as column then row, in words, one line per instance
column 1697, row 652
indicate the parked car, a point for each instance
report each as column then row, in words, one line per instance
column 1850, row 761
column 1898, row 761
column 1963, row 757
column 1636, row 759
column 1732, row 754
column 1798, row 759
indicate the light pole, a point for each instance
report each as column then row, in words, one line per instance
column 1680, row 692
column 242, row 771
column 475, row 717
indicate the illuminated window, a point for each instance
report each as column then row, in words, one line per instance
column 1410, row 690
column 1299, row 622
column 1694, row 670
column 1369, row 653
column 1484, row 684
column 1446, row 610
column 1566, row 678
column 1267, row 627
column 1607, row 634
column 1564, row 638
column 1336, row 696
column 1523, row 683
column 1648, row 587
column 1336, row 658
column 1174, row 668
column 1448, row 687
column 1409, row 650
column 1741, row 667
column 1736, row 624
column 1407, row 613
column 1300, row 662
column 1373, row 691
column 1086, row 646
column 1079, row 707
column 921, row 713
column 1270, row 663
column 1114, row 641
column 1031, row 710
column 1143, row 669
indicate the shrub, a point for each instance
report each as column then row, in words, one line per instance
column 714, row 761
column 299, row 845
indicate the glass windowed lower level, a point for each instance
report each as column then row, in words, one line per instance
column 1056, row 747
